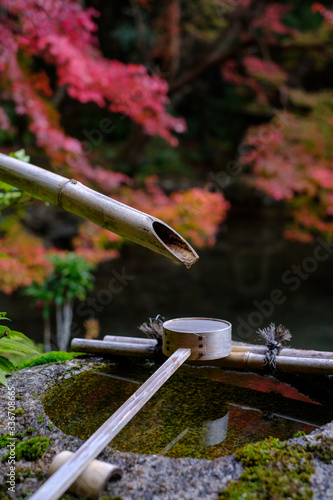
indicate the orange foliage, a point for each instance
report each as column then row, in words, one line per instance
column 96, row 244
column 26, row 262
column 195, row 213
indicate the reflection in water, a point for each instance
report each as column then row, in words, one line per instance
column 193, row 414
column 173, row 442
column 215, row 431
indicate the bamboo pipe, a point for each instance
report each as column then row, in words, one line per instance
column 114, row 348
column 256, row 349
column 254, row 361
column 300, row 353
column 130, row 340
column 110, row 214
column 236, row 360
column 63, row 478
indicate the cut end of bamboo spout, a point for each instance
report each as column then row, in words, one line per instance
column 92, row 480
column 179, row 249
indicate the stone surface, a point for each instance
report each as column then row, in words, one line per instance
column 145, row 477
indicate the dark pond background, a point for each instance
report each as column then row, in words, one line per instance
column 250, row 261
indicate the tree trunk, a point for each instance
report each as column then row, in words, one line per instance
column 47, row 334
column 60, row 326
column 67, row 323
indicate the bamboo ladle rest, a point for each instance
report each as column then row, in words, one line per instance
column 184, row 338
column 244, row 357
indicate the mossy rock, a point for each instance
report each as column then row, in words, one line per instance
column 48, row 357
column 31, row 450
column 20, row 411
column 8, row 438
column 276, row 469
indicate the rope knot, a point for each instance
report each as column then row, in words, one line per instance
column 153, row 328
column 274, row 338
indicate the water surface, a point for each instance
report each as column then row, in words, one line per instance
column 199, row 412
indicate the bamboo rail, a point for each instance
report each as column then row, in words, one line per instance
column 62, row 479
column 255, row 349
column 114, row 348
column 249, row 360
column 241, row 357
column 110, row 214
column 300, row 353
column 130, row 340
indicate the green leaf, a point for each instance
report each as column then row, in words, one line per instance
column 18, row 335
column 3, row 330
column 4, row 256
column 6, row 365
column 3, row 378
column 14, row 346
column 3, row 316
column 6, row 187
column 20, row 155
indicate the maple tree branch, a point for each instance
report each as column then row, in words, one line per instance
column 222, row 48
column 142, row 32
column 59, row 95
column 225, row 45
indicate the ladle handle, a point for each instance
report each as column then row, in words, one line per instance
column 64, row 477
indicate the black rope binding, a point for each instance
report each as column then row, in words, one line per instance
column 274, row 338
column 153, row 328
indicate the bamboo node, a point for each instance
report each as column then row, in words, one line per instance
column 62, row 187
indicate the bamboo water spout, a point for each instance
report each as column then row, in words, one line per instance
column 110, row 214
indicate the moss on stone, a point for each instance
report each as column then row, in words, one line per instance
column 5, row 439
column 299, row 434
column 19, row 411
column 8, row 438
column 273, row 471
column 31, row 450
column 322, row 449
column 23, row 473
column 276, row 469
column 48, row 357
column 118, row 497
column 40, row 419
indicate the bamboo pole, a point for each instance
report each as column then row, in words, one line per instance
column 130, row 340
column 300, row 353
column 256, row 349
column 110, row 214
column 114, row 348
column 62, row 479
column 253, row 361
column 236, row 359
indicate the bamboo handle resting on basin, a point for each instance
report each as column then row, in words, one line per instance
column 63, row 478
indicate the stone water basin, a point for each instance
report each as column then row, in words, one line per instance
column 199, row 412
